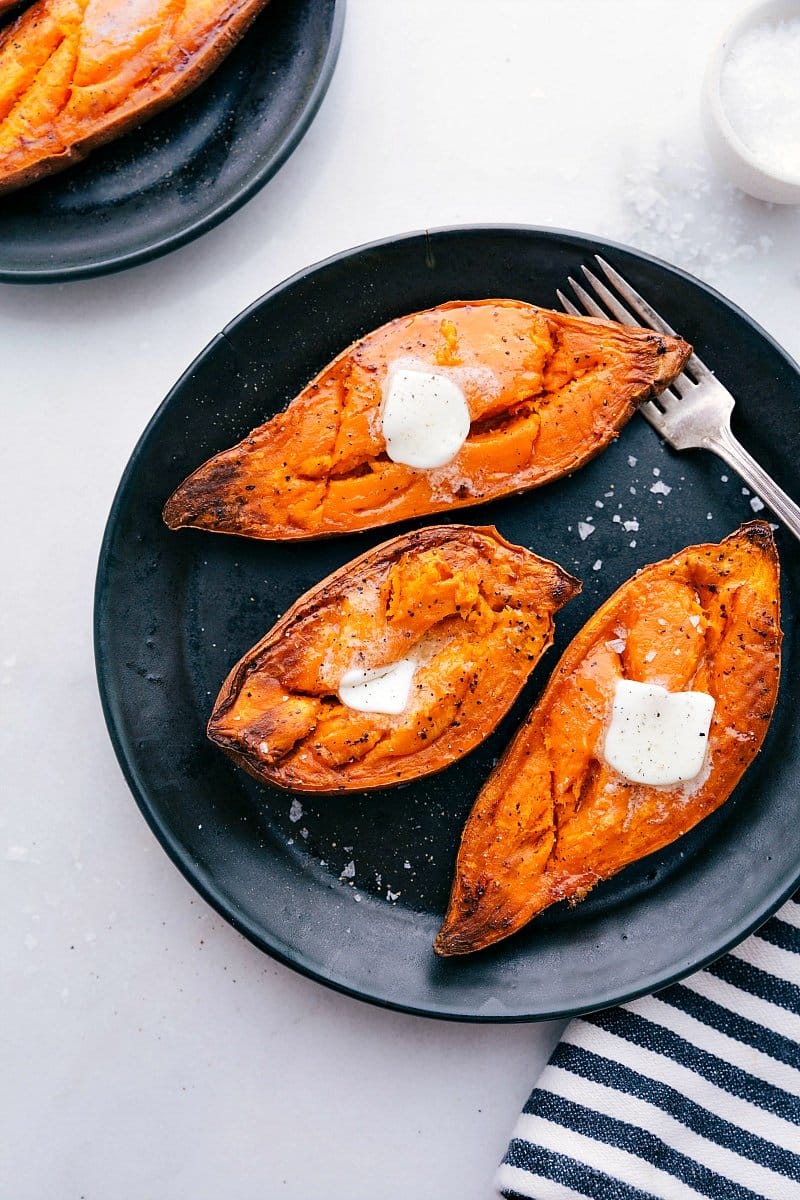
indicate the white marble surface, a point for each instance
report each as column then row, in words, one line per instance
column 150, row 1052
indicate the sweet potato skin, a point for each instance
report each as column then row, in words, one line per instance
column 546, row 391
column 477, row 613
column 77, row 73
column 554, row 819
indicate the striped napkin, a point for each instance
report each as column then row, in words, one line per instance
column 692, row 1092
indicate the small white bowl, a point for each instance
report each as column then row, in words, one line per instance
column 730, row 152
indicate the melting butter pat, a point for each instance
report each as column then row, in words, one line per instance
column 655, row 736
column 424, row 418
column 378, row 689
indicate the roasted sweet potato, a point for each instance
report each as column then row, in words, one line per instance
column 77, row 73
column 545, row 392
column 473, row 612
column 554, row 818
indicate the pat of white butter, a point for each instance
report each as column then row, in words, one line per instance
column 655, row 736
column 424, row 418
column 378, row 689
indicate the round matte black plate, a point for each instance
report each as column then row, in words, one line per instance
column 174, row 611
column 187, row 169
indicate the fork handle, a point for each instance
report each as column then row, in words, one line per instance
column 733, row 452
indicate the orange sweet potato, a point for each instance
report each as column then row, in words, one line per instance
column 474, row 611
column 554, row 818
column 77, row 73
column 545, row 392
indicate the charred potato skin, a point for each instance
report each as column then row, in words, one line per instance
column 512, row 866
column 564, row 386
column 30, row 160
column 287, row 643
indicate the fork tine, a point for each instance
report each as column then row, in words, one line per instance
column 637, row 302
column 567, row 304
column 610, row 300
column 648, row 314
column 655, row 418
column 682, row 383
column 586, row 300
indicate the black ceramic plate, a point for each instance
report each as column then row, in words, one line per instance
column 186, row 170
column 175, row 610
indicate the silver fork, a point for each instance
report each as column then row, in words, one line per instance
column 694, row 412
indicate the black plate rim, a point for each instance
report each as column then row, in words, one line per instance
column 223, row 210
column 182, row 859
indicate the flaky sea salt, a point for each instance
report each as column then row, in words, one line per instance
column 348, row 871
column 632, row 460
column 585, row 530
column 756, row 504
column 630, row 526
column 597, row 564
column 660, row 488
column 760, row 92
column 296, row 811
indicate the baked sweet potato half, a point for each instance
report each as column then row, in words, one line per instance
column 502, row 395
column 555, row 818
column 442, row 625
column 77, row 73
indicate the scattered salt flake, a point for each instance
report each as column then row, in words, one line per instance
column 296, row 811
column 649, row 656
column 598, row 562
column 390, row 895
column 303, row 832
column 616, row 518
column 709, row 516
column 357, row 898
column 745, row 491
column 17, row 854
column 348, row 872
column 656, row 471
column 660, row 488
column 609, row 495
column 773, row 527
column 407, row 865
column 630, row 526
column 599, row 504
column 724, row 478
column 585, row 530
column 756, row 503
column 661, row 621
column 632, row 460
column 632, row 544
column 617, row 645
column 632, row 490
column 694, row 620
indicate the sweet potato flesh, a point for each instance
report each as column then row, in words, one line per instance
column 74, row 73
column 474, row 611
column 554, row 819
column 545, row 392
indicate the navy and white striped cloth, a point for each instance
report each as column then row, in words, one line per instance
column 693, row 1092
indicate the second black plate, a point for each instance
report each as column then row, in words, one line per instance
column 187, row 169
column 351, row 889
